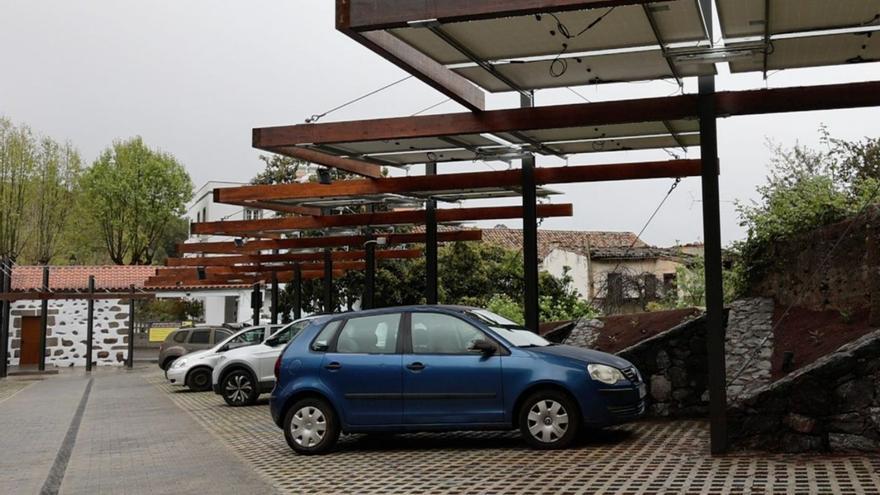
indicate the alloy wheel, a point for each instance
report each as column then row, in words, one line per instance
column 308, row 426
column 238, row 388
column 547, row 421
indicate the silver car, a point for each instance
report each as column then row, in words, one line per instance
column 193, row 370
column 241, row 375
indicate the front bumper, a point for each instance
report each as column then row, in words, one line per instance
column 619, row 405
column 176, row 376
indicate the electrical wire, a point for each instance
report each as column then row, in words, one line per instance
column 578, row 94
column 316, row 117
column 559, row 66
column 435, row 105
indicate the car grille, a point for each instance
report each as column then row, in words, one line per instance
column 627, row 411
column 632, row 374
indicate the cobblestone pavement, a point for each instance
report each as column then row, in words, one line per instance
column 131, row 439
column 643, row 458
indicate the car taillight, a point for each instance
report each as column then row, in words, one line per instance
column 278, row 368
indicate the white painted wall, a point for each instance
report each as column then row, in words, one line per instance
column 556, row 261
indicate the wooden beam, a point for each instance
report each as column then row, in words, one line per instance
column 412, row 217
column 358, row 167
column 730, row 103
column 289, row 267
column 55, row 295
column 290, row 257
column 368, row 15
column 255, row 246
column 452, row 182
column 170, row 283
column 298, row 210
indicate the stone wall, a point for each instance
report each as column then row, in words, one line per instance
column 749, row 346
column 674, row 366
column 832, row 404
column 66, row 331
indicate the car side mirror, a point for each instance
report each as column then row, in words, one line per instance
column 484, row 347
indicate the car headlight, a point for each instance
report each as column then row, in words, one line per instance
column 604, row 374
column 180, row 363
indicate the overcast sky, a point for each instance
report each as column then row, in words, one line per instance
column 193, row 77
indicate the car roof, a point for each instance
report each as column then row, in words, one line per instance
column 443, row 308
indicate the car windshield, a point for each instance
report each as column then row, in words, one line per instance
column 510, row 331
column 287, row 333
column 491, row 318
column 248, row 336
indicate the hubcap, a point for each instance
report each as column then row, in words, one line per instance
column 238, row 388
column 308, row 426
column 547, row 421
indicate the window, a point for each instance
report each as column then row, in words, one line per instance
column 322, row 341
column 252, row 336
column 221, row 335
column 521, row 337
column 200, row 337
column 615, row 287
column 435, row 333
column 252, row 214
column 180, row 336
column 650, row 281
column 287, row 334
column 669, row 285
column 369, row 335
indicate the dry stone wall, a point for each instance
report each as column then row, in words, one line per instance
column 66, row 331
column 748, row 345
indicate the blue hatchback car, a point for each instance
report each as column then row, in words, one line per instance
column 441, row 368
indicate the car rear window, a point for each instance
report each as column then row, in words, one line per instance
column 200, row 337
column 180, row 336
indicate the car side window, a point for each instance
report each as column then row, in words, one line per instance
column 292, row 330
column 249, row 337
column 369, row 335
column 221, row 335
column 322, row 341
column 200, row 337
column 180, row 337
column 436, row 333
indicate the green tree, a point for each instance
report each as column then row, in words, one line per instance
column 18, row 163
column 56, row 187
column 279, row 170
column 134, row 193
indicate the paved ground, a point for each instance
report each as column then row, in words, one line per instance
column 117, row 434
column 648, row 457
column 128, row 432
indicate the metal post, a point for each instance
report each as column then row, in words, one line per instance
column 431, row 243
column 90, row 323
column 297, row 291
column 328, row 281
column 44, row 318
column 5, row 284
column 256, row 303
column 274, row 298
column 530, row 234
column 368, row 300
column 129, row 361
column 712, row 239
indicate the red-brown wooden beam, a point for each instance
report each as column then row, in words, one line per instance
column 413, row 217
column 255, row 246
column 168, row 283
column 292, row 257
column 215, row 271
column 357, row 167
column 730, row 103
column 55, row 295
column 299, row 210
column 368, row 15
column 451, row 182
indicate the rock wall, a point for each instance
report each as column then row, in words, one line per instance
column 66, row 331
column 832, row 404
column 749, row 346
column 674, row 366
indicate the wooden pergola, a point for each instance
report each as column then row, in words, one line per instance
column 464, row 48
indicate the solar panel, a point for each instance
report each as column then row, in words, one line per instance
column 626, row 144
column 813, row 51
column 609, row 131
column 740, row 18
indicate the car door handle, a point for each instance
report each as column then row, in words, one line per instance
column 417, row 366
column 333, row 366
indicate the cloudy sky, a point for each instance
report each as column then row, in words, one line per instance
column 193, row 77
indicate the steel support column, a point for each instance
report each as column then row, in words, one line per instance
column 129, row 360
column 256, row 302
column 530, row 234
column 369, row 297
column 90, row 323
column 44, row 320
column 275, row 298
column 297, row 291
column 712, row 239
column 328, row 281
column 431, row 243
column 5, row 284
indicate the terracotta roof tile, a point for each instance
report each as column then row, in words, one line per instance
column 571, row 240
column 107, row 277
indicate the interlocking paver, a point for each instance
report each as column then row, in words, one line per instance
column 649, row 457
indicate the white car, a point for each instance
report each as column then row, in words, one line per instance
column 193, row 370
column 241, row 375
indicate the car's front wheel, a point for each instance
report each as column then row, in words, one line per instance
column 549, row 419
column 311, row 427
column 199, row 380
column 239, row 389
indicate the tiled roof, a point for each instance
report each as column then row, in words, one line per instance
column 571, row 240
column 636, row 253
column 107, row 277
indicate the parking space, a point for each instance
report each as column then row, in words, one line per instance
column 647, row 457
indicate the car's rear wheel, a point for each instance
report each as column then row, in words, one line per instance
column 548, row 420
column 239, row 388
column 311, row 427
column 199, row 380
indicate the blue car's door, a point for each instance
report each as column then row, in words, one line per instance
column 363, row 369
column 446, row 382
